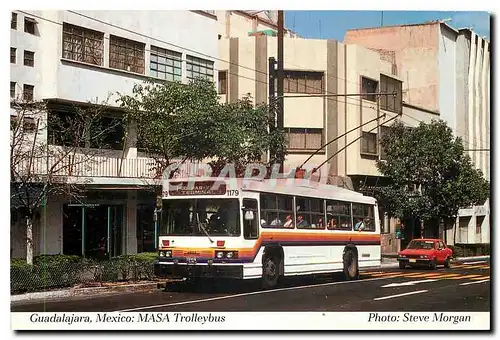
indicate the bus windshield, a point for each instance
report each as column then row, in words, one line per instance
column 199, row 217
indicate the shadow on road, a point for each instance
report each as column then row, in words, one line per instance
column 238, row 287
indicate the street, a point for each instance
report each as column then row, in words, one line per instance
column 463, row 287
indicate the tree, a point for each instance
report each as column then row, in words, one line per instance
column 41, row 167
column 431, row 176
column 174, row 121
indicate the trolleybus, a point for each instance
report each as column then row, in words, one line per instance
column 264, row 229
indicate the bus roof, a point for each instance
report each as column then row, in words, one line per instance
column 294, row 187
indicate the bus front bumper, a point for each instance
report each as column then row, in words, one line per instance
column 181, row 270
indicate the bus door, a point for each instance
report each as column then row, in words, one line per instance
column 250, row 219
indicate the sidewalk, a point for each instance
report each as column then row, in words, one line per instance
column 105, row 288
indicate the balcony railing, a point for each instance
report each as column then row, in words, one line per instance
column 97, row 166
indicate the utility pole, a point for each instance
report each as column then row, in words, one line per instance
column 280, row 76
column 272, row 100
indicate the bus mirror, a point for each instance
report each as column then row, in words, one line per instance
column 249, row 215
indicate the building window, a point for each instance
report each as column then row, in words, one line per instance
column 165, row 64
column 391, row 103
column 479, row 223
column 369, row 86
column 383, row 131
column 303, row 82
column 29, row 124
column 13, row 21
column 369, row 143
column 199, row 68
column 28, row 92
column 29, row 25
column 13, row 55
column 29, row 58
column 83, row 44
column 13, row 89
column 304, row 138
column 14, row 121
column 126, row 54
column 222, row 82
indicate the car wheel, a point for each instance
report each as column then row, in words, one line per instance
column 433, row 264
column 402, row 265
column 447, row 263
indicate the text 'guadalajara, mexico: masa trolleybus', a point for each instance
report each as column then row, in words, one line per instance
column 264, row 229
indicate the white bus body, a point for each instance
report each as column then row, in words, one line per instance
column 240, row 241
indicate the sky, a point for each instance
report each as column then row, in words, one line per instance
column 334, row 24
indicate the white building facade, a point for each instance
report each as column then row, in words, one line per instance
column 68, row 58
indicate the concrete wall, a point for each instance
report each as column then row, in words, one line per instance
column 447, row 76
column 416, row 50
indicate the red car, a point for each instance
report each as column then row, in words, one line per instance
column 425, row 251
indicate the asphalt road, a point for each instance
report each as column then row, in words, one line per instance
column 464, row 287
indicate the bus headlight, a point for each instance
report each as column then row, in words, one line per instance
column 165, row 253
column 226, row 254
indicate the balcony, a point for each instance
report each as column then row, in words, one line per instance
column 94, row 167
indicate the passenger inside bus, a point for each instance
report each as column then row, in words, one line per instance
column 301, row 222
column 276, row 222
column 360, row 225
column 288, row 222
column 332, row 224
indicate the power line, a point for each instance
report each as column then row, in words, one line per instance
column 215, row 69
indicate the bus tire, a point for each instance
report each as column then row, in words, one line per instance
column 270, row 272
column 351, row 268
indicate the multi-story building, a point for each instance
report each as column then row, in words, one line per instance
column 69, row 58
column 313, row 70
column 447, row 71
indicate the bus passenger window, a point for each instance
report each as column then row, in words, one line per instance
column 338, row 215
column 363, row 217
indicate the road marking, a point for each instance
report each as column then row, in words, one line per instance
column 475, row 267
column 464, row 277
column 481, row 278
column 424, row 275
column 398, row 295
column 244, row 294
column 408, row 283
column 473, row 282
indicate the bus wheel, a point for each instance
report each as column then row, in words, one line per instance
column 351, row 269
column 270, row 272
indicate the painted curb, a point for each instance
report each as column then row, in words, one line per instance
column 83, row 291
column 472, row 258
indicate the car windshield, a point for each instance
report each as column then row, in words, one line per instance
column 421, row 245
column 197, row 217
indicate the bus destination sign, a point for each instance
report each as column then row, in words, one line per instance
column 198, row 188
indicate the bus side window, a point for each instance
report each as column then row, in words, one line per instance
column 250, row 219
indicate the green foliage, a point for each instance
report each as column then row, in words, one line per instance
column 176, row 121
column 57, row 271
column 430, row 158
